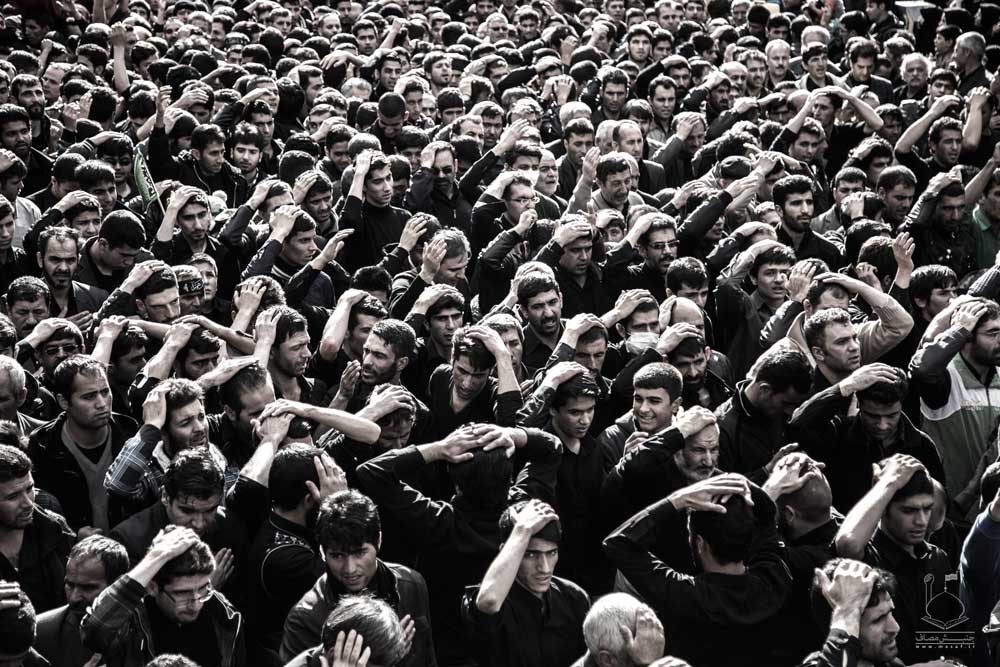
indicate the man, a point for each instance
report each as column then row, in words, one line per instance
column 499, row 610
column 639, row 640
column 539, row 301
column 613, row 93
column 106, row 259
column 458, row 540
column 570, row 253
column 960, row 363
column 944, row 141
column 578, row 138
column 767, row 264
column 888, row 529
column 862, row 54
column 434, row 187
column 855, row 602
column 970, row 50
column 15, row 136
column 150, row 290
column 835, row 336
column 204, row 167
column 793, row 195
column 444, row 262
column 191, row 497
column 778, row 53
column 614, row 179
column 34, row 543
column 174, row 419
column 378, row 634
column 368, row 211
column 73, row 453
column 848, row 444
column 628, row 138
column 654, row 236
column 287, row 330
column 182, row 606
column 743, row 581
column 940, row 228
column 27, row 303
column 896, row 186
column 94, row 563
column 463, row 390
column 59, row 256
column 53, row 341
column 753, row 422
column 349, row 534
column 656, row 393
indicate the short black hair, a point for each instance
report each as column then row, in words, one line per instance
column 291, row 468
column 348, row 520
column 193, row 473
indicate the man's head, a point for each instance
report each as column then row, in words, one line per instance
column 896, row 187
column 208, row 147
column 64, row 341
column 572, row 406
column 602, row 629
column 158, row 299
column 17, row 489
column 471, row 365
column 984, row 348
column 721, row 538
column 387, row 351
column 349, row 533
column 688, row 278
column 945, row 141
column 808, row 506
column 535, row 571
column 690, row 358
column 907, row 518
column 186, row 425
column 244, row 397
column 290, row 353
column 656, row 396
column 372, row 619
column 128, row 356
column 614, row 177
column 878, row 624
column 658, row 245
column 119, row 240
column 949, row 209
column 193, row 490
column 794, row 196
column 94, row 563
column 780, row 382
column 378, row 182
column 833, row 341
column 27, row 303
column 58, row 255
column 83, row 392
column 932, row 288
column 880, row 408
column 184, row 584
column 13, row 389
column 97, row 178
column 540, row 302
column 769, row 272
column 862, row 55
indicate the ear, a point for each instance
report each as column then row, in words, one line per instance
column 141, row 307
column 604, row 658
column 164, row 499
column 807, row 307
column 753, row 279
column 230, row 413
column 919, row 303
column 817, row 353
column 196, row 154
column 621, row 331
column 63, row 403
column 402, row 363
column 22, row 396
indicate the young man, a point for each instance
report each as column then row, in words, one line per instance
column 94, row 563
column 73, row 453
column 166, row 604
column 34, row 543
column 654, row 236
column 957, row 365
column 174, row 419
column 743, row 581
column 150, row 290
column 499, row 610
column 368, row 211
column 349, row 534
column 106, row 259
column 888, row 528
column 58, row 256
column 849, row 444
column 539, row 301
column 753, row 422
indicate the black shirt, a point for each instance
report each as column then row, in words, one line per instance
column 196, row 640
column 529, row 631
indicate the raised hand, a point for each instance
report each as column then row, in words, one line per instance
column 866, row 376
column 709, row 494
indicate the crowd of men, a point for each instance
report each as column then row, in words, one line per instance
column 591, row 333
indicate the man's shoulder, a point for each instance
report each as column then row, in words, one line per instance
column 406, row 576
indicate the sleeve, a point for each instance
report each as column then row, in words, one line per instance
column 404, row 295
column 119, row 302
column 694, row 227
column 877, row 337
column 395, row 262
column 470, row 183
column 263, row 261
column 232, row 233
column 929, row 366
column 506, row 406
column 628, row 547
column 418, row 195
column 980, row 565
column 108, row 622
column 162, row 165
column 537, row 479
column 382, row 479
column 780, row 323
column 479, row 623
column 534, row 411
column 839, row 650
column 130, row 473
column 813, row 424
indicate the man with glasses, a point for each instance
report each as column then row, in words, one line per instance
column 434, row 188
column 167, row 604
column 654, row 237
column 52, row 341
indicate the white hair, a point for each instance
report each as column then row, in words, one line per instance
column 601, row 625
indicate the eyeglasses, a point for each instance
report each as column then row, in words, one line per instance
column 70, row 348
column 521, row 201
column 181, row 599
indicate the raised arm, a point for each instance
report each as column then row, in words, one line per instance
column 918, row 130
column 860, row 523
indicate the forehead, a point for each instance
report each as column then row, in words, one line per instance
column 84, row 382
column 706, row 436
column 30, row 305
column 185, row 411
column 61, row 247
column 85, row 567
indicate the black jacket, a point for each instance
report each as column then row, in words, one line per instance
column 56, row 471
column 42, row 560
